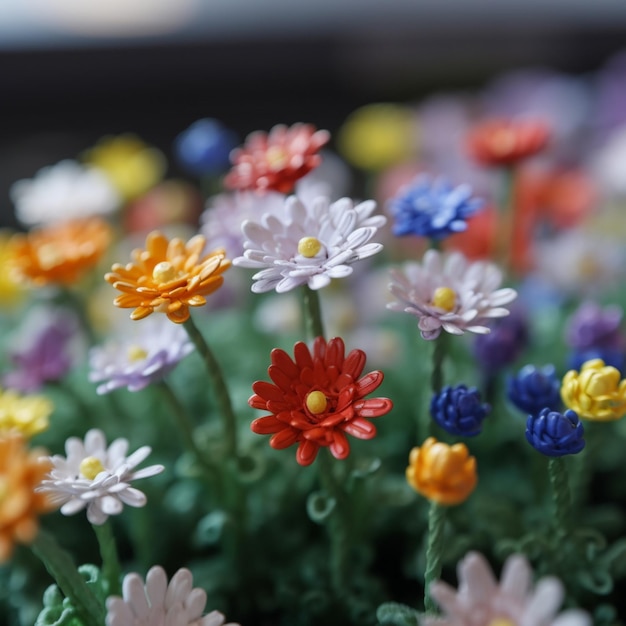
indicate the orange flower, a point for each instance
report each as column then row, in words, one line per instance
column 168, row 277
column 442, row 473
column 21, row 471
column 62, row 253
column 506, row 142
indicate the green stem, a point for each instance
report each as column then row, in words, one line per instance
column 440, row 351
column 504, row 241
column 62, row 568
column 219, row 386
column 76, row 301
column 313, row 313
column 560, row 495
column 111, row 569
column 434, row 551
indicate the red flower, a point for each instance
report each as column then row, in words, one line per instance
column 506, row 142
column 275, row 161
column 317, row 399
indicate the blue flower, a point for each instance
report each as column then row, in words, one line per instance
column 533, row 389
column 459, row 411
column 433, row 209
column 555, row 434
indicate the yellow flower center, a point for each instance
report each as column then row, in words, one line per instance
column 276, row 157
column 309, row 247
column 316, row 402
column 444, row 298
column 502, row 621
column 163, row 272
column 136, row 353
column 90, row 467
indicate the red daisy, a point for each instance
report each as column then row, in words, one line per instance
column 317, row 399
column 275, row 161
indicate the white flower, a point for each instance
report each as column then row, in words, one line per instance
column 450, row 293
column 63, row 191
column 480, row 600
column 309, row 243
column 97, row 477
column 158, row 604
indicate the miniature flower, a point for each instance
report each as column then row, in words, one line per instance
column 433, row 209
column 97, row 477
column 158, row 602
column 533, row 389
column 27, row 415
column 449, row 293
column 317, row 399
column 442, row 473
column 140, row 359
column 168, row 276
column 506, row 142
column 593, row 326
column 67, row 190
column 596, row 392
column 514, row 601
column 459, row 410
column 275, row 161
column 21, row 471
column 60, row 254
column 555, row 434
column 309, row 243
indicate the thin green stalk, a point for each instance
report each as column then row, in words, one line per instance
column 440, row 351
column 434, row 551
column 313, row 313
column 560, row 495
column 62, row 568
column 111, row 569
column 506, row 218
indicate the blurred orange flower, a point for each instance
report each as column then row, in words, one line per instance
column 442, row 473
column 60, row 254
column 21, row 471
column 168, row 277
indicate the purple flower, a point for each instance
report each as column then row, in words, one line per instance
column 555, row 434
column 534, row 389
column 459, row 410
column 593, row 326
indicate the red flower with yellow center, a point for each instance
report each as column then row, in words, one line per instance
column 317, row 399
column 168, row 277
column 275, row 161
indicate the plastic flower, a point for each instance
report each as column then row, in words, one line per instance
column 274, row 161
column 449, row 293
column 555, row 434
column 506, row 142
column 514, row 601
column 459, row 410
column 309, row 243
column 97, row 477
column 21, row 471
column 140, row 359
column 317, row 399
column 67, row 190
column 596, row 392
column 534, row 388
column 433, row 209
column 594, row 326
column 168, row 277
column 60, row 254
column 158, row 602
column 27, row 415
column 442, row 473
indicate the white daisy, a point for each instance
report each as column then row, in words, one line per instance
column 480, row 600
column 449, row 293
column 158, row 603
column 97, row 477
column 309, row 243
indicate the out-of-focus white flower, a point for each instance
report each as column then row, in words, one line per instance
column 449, row 293
column 67, row 190
column 97, row 477
column 607, row 163
column 158, row 603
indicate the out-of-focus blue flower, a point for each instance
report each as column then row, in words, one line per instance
column 459, row 410
column 555, row 434
column 611, row 356
column 533, row 389
column 205, row 146
column 593, row 326
column 432, row 209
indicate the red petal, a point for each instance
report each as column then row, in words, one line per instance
column 284, row 438
column 302, row 355
column 281, row 379
column 339, row 448
column 267, row 390
column 307, row 451
column 283, row 361
column 335, row 352
column 267, row 425
column 354, row 363
column 369, row 382
column 360, row 428
column 334, row 420
column 319, row 349
column 256, row 402
column 316, row 434
column 374, row 407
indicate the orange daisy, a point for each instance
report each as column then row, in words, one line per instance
column 168, row 277
column 60, row 254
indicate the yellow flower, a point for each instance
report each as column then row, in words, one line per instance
column 596, row 393
column 168, row 277
column 11, row 291
column 377, row 136
column 21, row 471
column 442, row 473
column 131, row 165
column 25, row 414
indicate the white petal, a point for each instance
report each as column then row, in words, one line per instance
column 156, row 586
column 134, row 594
column 110, row 505
column 179, row 587
column 73, row 506
column 133, row 497
column 544, row 603
column 95, row 515
column 195, row 603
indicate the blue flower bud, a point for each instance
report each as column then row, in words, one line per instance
column 459, row 411
column 555, row 434
column 534, row 389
